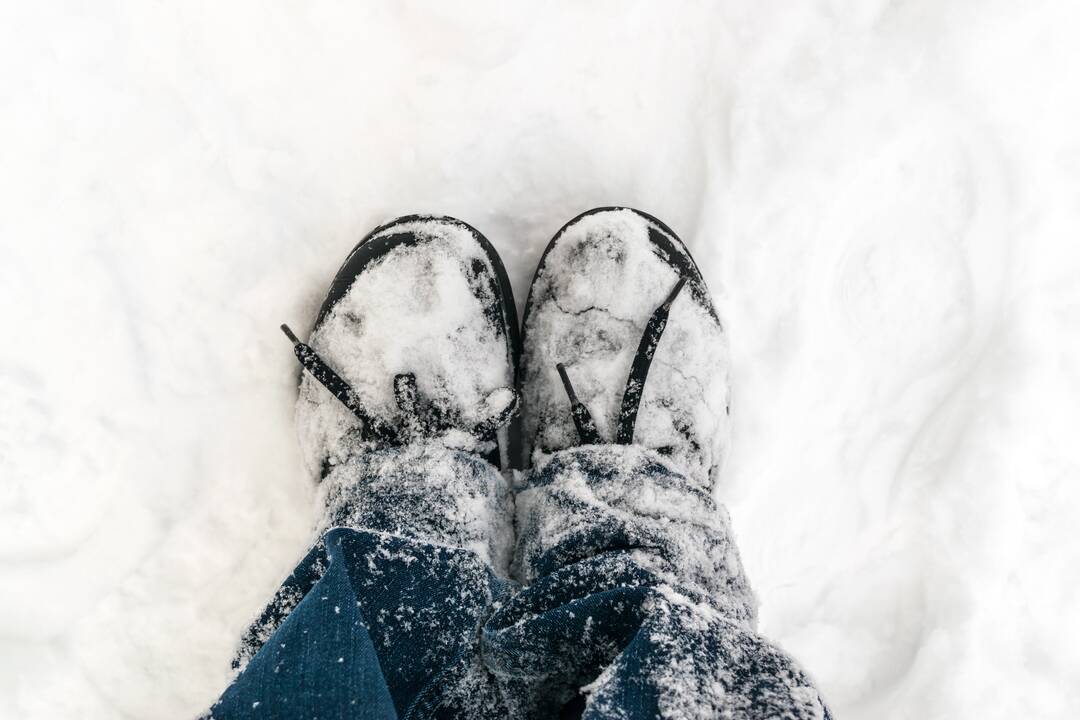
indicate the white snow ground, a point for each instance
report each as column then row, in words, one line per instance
column 885, row 197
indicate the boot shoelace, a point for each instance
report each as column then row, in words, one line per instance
column 418, row 419
column 635, row 382
column 427, row 420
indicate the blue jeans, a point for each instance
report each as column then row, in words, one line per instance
column 628, row 600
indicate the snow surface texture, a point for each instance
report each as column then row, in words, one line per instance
column 884, row 198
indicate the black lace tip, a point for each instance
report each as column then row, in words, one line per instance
column 566, row 383
column 289, row 334
column 583, row 421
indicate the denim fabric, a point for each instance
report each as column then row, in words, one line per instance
column 634, row 603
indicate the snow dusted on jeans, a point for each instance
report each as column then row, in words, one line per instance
column 635, row 605
column 635, row 598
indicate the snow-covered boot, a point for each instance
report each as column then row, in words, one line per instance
column 622, row 344
column 409, row 386
column 420, row 325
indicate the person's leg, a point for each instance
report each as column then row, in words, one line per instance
column 636, row 605
column 636, row 602
column 410, row 377
column 381, row 618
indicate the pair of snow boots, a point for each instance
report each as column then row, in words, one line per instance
column 418, row 340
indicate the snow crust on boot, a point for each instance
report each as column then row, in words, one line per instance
column 428, row 305
column 424, row 492
column 596, row 287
